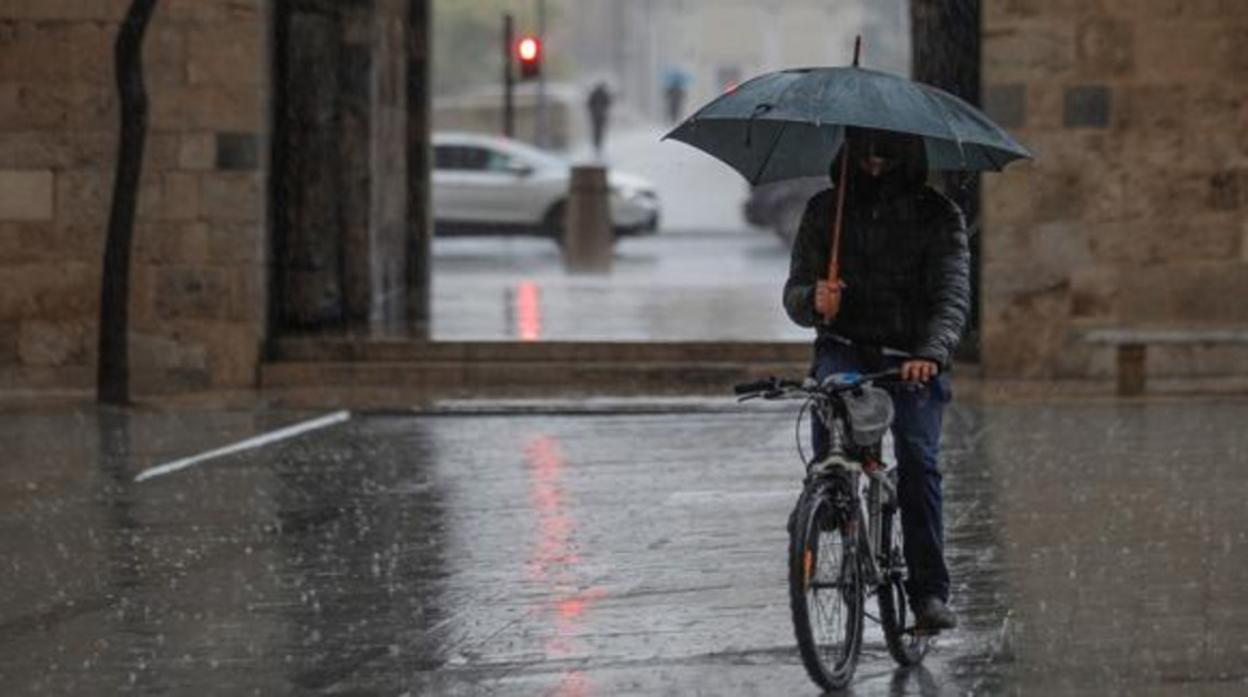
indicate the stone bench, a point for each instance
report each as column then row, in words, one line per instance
column 1133, row 346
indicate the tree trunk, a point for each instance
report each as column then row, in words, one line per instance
column 113, row 376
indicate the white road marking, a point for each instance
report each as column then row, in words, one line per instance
column 249, row 444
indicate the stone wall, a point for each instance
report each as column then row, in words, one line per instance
column 198, row 290
column 1134, row 210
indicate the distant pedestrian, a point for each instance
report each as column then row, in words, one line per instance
column 599, row 104
column 675, row 94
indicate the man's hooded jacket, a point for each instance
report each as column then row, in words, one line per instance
column 904, row 261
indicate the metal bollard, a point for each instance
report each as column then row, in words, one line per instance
column 587, row 233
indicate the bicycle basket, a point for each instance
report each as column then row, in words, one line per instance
column 869, row 413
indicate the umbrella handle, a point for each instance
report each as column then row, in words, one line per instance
column 834, row 257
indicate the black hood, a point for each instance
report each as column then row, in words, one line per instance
column 910, row 172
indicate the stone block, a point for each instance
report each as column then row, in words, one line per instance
column 56, row 105
column 103, row 10
column 239, row 151
column 235, row 243
column 1028, row 51
column 57, row 149
column 84, row 197
column 232, row 53
column 26, row 195
column 234, row 354
column 1176, row 195
column 1023, row 335
column 1152, row 107
column 180, row 194
column 167, row 363
column 8, row 343
column 210, row 107
column 192, row 292
column 1192, row 51
column 231, row 197
column 41, row 242
column 61, row 52
column 1177, row 9
column 1243, row 240
column 171, row 242
column 1007, row 104
column 1104, row 48
column 205, row 11
column 45, row 343
column 1008, row 196
column 1087, row 106
column 1004, row 11
column 49, row 291
column 1187, row 292
column 164, row 56
column 198, row 151
column 1094, row 293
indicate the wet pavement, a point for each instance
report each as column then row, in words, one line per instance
column 675, row 286
column 1095, row 548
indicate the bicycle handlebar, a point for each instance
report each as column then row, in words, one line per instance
column 776, row 388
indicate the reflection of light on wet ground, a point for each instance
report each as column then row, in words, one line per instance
column 528, row 311
column 555, row 559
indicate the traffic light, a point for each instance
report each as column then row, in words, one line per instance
column 529, row 52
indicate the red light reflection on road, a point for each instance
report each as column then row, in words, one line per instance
column 555, row 560
column 528, row 311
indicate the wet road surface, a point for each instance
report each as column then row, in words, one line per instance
column 1095, row 548
column 675, row 286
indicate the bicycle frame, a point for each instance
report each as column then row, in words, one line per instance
column 879, row 487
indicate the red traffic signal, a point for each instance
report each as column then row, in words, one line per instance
column 529, row 51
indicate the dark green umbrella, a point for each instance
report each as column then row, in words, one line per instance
column 791, row 123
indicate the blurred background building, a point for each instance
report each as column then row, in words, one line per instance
column 284, row 185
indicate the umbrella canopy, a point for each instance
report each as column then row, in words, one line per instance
column 791, row 123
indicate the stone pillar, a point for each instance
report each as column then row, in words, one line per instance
column 419, row 151
column 342, row 187
column 587, row 234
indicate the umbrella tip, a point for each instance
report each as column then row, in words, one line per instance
column 857, row 49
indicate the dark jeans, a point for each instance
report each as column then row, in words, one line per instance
column 916, row 444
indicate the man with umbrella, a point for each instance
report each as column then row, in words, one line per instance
column 880, row 266
column 902, row 300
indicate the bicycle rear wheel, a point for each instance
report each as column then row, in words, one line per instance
column 825, row 590
column 896, row 619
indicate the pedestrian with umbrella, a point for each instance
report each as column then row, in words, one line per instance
column 880, row 267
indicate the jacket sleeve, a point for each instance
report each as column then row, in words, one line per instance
column 806, row 266
column 947, row 277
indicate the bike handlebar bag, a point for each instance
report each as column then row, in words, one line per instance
column 869, row 412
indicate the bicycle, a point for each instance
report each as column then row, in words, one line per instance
column 835, row 560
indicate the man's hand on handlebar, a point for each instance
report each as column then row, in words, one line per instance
column 919, row 370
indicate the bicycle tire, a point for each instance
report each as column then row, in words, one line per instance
column 830, row 664
column 906, row 647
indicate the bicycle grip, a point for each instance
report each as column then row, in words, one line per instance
column 756, row 386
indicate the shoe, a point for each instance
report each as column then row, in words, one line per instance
column 932, row 614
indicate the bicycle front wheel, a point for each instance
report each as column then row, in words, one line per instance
column 825, row 589
column 907, row 646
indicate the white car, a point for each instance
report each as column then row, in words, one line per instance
column 486, row 184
